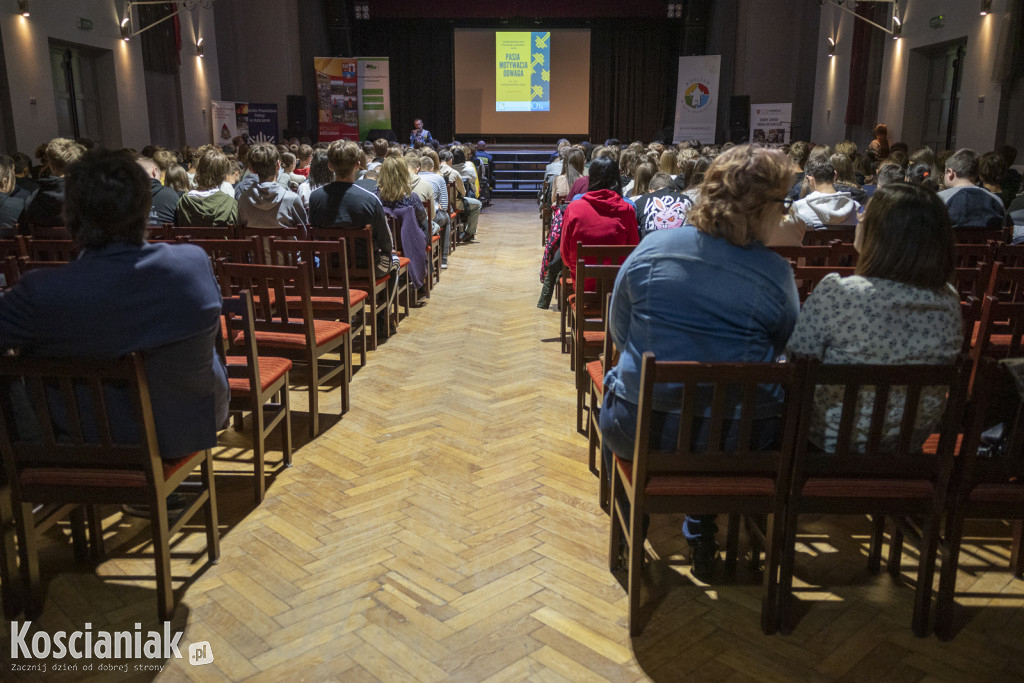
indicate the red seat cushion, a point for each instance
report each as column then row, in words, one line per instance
column 702, row 486
column 435, row 238
column 996, row 493
column 593, row 337
column 271, row 370
column 596, row 371
column 321, row 303
column 99, row 477
column 867, row 488
column 326, row 330
column 403, row 262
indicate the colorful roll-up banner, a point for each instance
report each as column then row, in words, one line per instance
column 697, row 98
column 770, row 123
column 337, row 98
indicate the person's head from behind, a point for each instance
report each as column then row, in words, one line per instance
column 660, row 181
column 264, row 160
column 380, row 148
column 991, row 168
column 426, row 164
column 799, row 152
column 413, row 164
column 343, row 157
column 393, row 180
column 820, row 172
column 320, row 172
column 962, row 165
column 847, row 147
column 890, row 172
column 458, row 155
column 7, row 177
column 742, row 194
column 288, row 161
column 575, row 161
column 481, row 146
column 604, row 175
column 919, row 174
column 211, row 170
column 844, row 168
column 905, row 236
column 61, row 153
column 642, row 177
column 176, row 178
column 881, row 132
column 106, row 199
column 668, row 163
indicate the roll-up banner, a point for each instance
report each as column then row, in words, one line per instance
column 374, row 95
column 253, row 122
column 697, row 98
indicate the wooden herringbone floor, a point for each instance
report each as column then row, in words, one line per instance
column 447, row 529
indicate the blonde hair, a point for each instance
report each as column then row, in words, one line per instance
column 668, row 163
column 61, row 152
column 393, row 182
column 739, row 193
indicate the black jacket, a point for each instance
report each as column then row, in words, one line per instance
column 46, row 204
column 165, row 202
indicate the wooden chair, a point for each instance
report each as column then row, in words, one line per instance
column 201, row 232
column 331, row 296
column 1010, row 255
column 86, row 459
column 1000, row 328
column 545, row 213
column 564, row 285
column 456, row 216
column 361, row 273
column 886, row 476
column 404, row 281
column 239, row 250
column 61, row 251
column 808, row 277
column 264, row 235
column 281, row 327
column 988, row 486
column 814, row 255
column 826, row 236
column 981, row 235
column 589, row 315
column 433, row 245
column 596, row 370
column 708, row 477
column 259, row 385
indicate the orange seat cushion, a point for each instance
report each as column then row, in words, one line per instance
column 867, row 488
column 403, row 262
column 99, row 477
column 593, row 337
column 325, row 330
column 996, row 493
column 272, row 369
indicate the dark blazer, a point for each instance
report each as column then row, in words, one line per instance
column 160, row 299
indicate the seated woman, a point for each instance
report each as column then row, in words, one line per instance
column 707, row 291
column 898, row 308
column 572, row 170
column 600, row 216
column 11, row 205
column 207, row 206
column 394, row 188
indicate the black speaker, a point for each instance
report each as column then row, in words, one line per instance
column 739, row 111
column 298, row 112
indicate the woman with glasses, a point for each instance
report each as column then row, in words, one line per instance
column 707, row 291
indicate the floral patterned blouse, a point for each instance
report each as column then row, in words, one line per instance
column 858, row 320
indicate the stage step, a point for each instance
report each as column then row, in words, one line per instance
column 518, row 174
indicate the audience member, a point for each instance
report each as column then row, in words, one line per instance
column 177, row 179
column 163, row 199
column 663, row 207
column 898, row 308
column 968, row 204
column 470, row 206
column 880, row 145
column 917, row 174
column 825, row 206
column 11, row 206
column 268, row 204
column 123, row 295
column 709, row 291
column 45, row 207
column 207, row 206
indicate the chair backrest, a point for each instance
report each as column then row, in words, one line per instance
column 49, row 232
column 1010, row 255
column 50, row 250
column 980, row 235
column 327, row 260
column 999, row 403
column 202, row 232
column 874, row 417
column 359, row 249
column 239, row 318
column 242, row 250
column 600, row 254
column 808, row 277
column 265, row 234
column 78, row 414
column 719, row 404
column 14, row 246
column 1002, row 315
column 270, row 287
column 805, row 255
column 828, row 235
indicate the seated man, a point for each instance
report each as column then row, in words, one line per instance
column 824, row 206
column 164, row 200
column 268, row 204
column 123, row 295
column 471, row 206
column 44, row 207
column 969, row 205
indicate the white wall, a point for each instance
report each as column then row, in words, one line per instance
column 26, row 50
column 986, row 38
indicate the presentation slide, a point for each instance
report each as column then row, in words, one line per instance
column 522, row 82
column 522, row 71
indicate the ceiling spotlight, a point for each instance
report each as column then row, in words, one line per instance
column 23, row 8
column 831, row 47
column 986, row 7
column 200, row 48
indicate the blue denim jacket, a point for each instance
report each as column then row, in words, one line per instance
column 686, row 295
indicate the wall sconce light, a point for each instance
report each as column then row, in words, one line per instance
column 831, row 47
column 23, row 8
column 986, row 7
column 897, row 27
column 200, row 48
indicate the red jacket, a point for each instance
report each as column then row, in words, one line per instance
column 598, row 217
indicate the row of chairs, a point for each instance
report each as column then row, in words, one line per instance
column 933, row 490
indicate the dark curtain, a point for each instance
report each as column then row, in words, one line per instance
column 161, row 45
column 422, row 71
column 860, row 65
column 634, row 64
